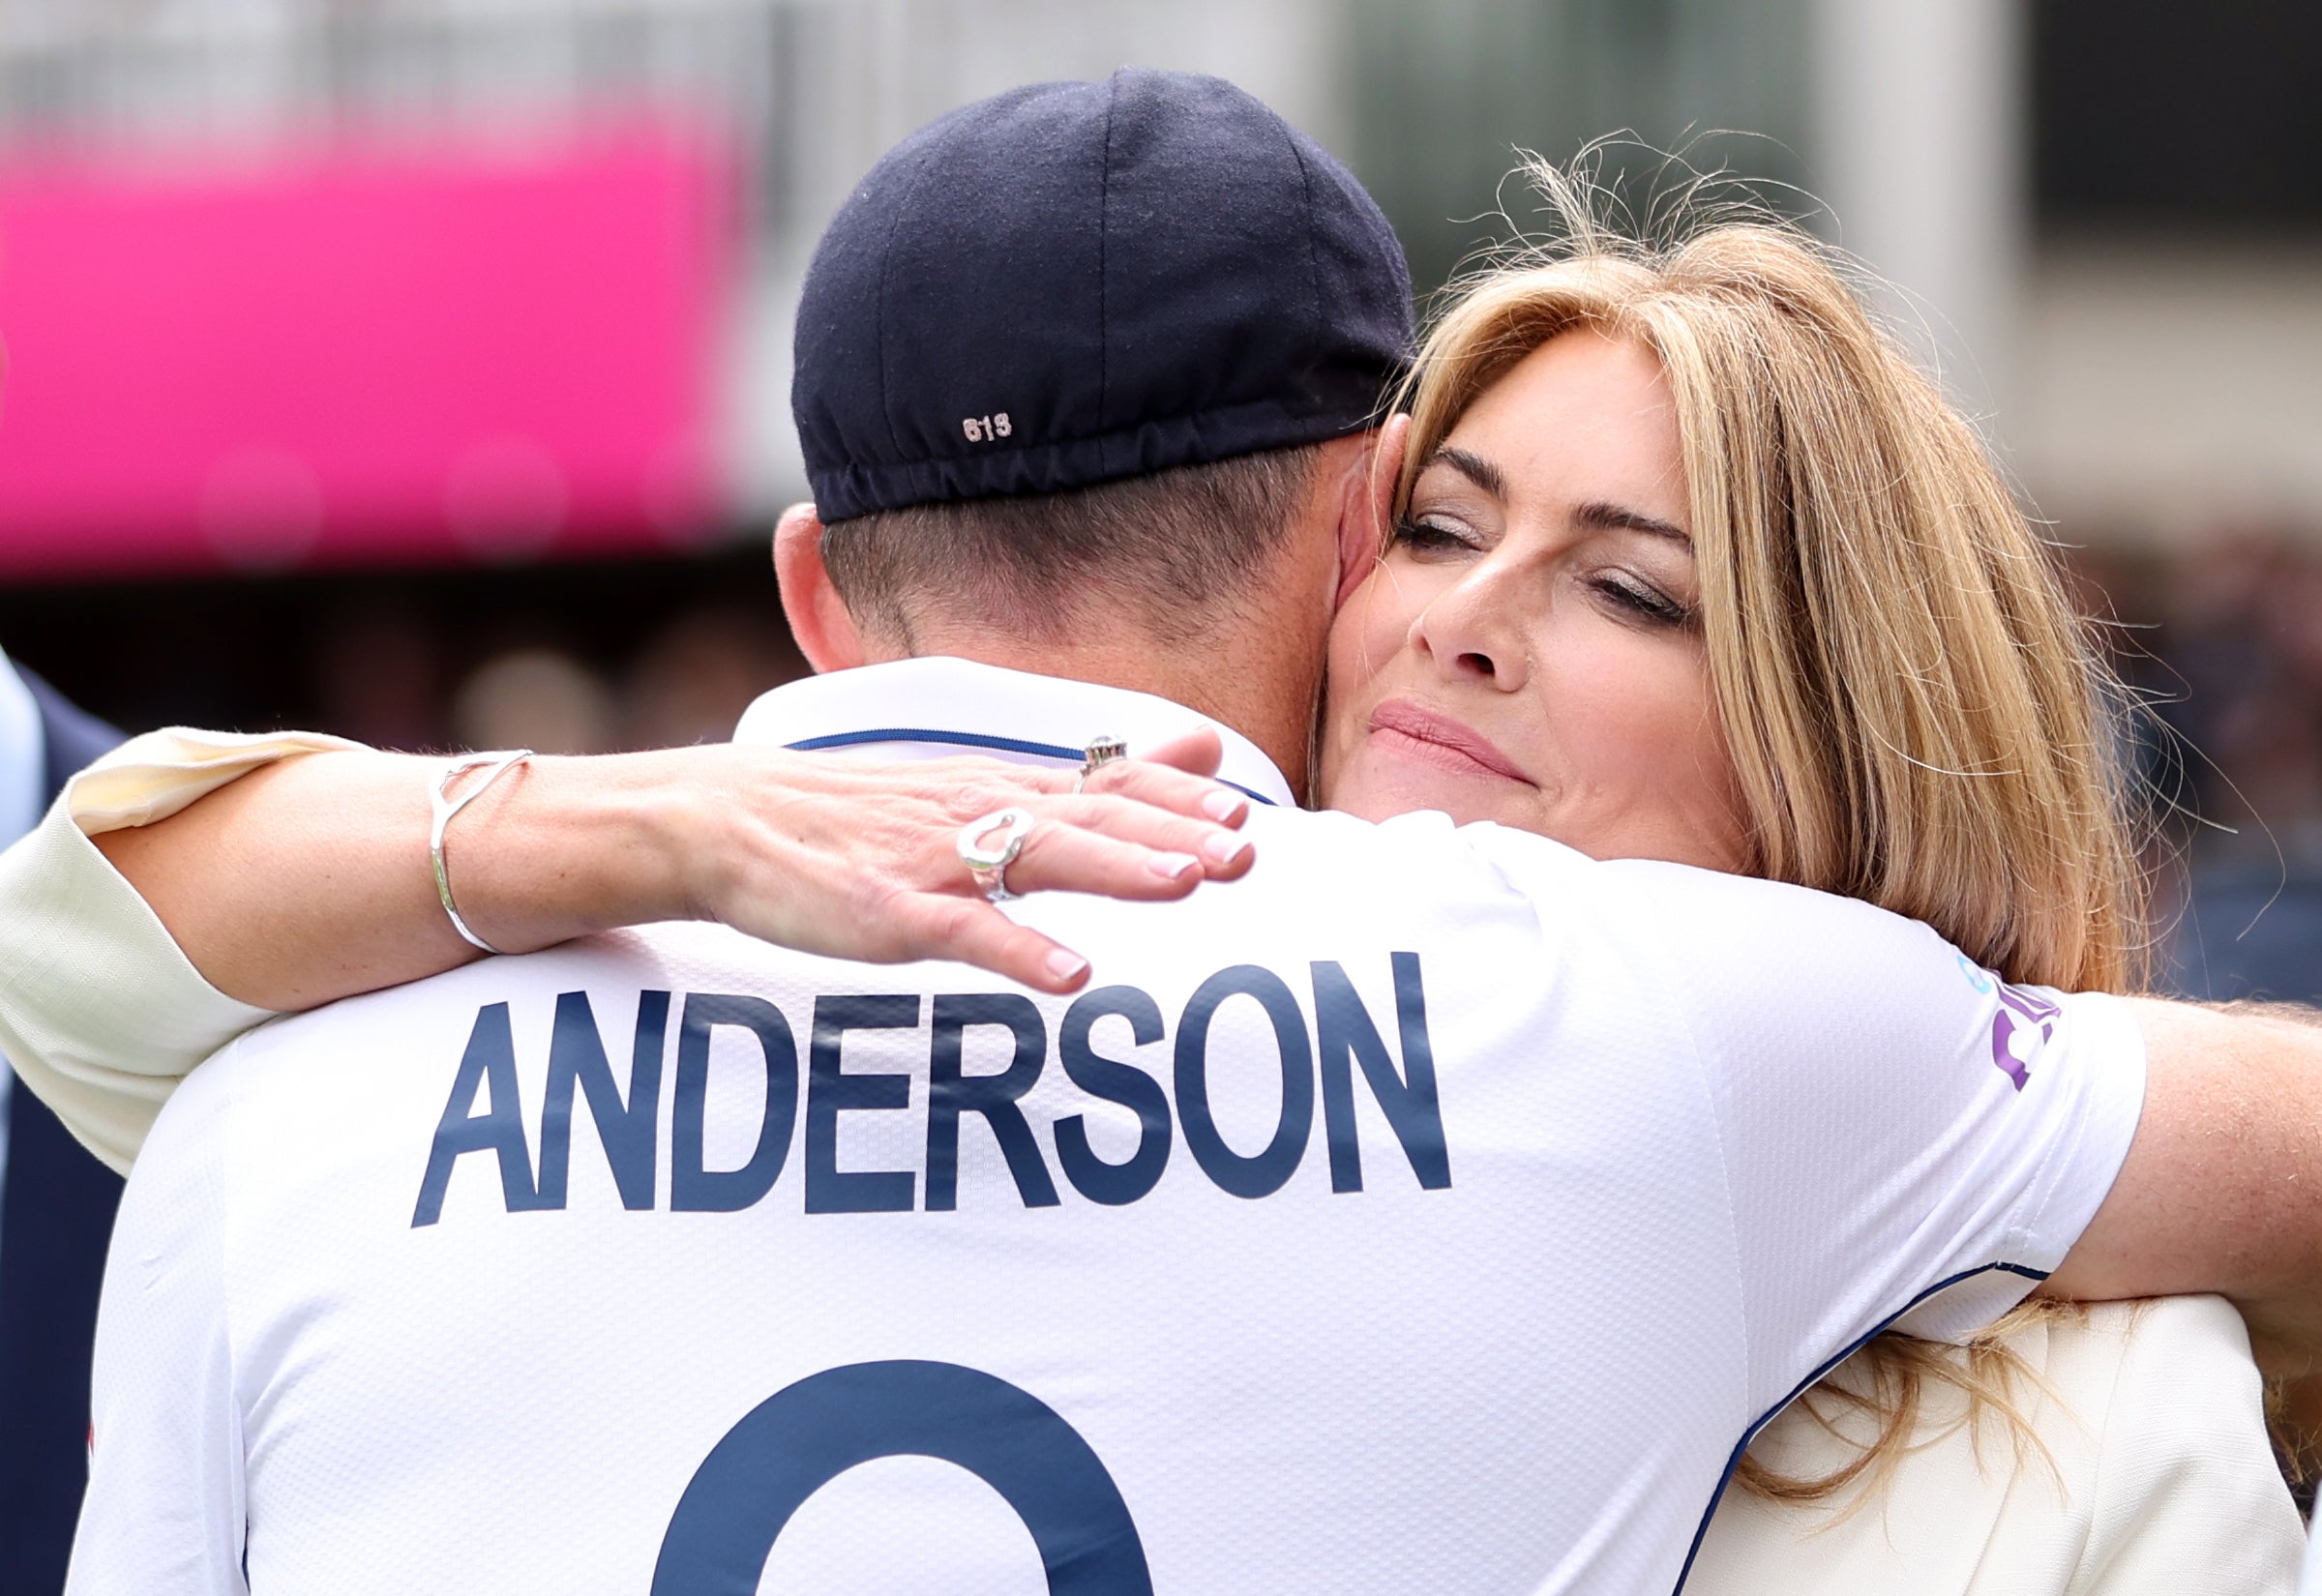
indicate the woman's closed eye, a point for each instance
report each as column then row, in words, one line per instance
column 1428, row 535
column 1641, row 601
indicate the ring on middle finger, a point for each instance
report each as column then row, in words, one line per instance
column 1101, row 751
column 988, row 844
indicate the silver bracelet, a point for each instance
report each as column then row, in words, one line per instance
column 445, row 807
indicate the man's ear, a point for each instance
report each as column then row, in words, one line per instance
column 1369, row 501
column 820, row 620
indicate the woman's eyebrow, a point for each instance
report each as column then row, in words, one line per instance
column 1598, row 515
column 1474, row 467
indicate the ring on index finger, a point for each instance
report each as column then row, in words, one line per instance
column 988, row 844
column 1101, row 751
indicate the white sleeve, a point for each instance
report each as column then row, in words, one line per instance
column 100, row 1011
column 165, row 1506
column 1905, row 1138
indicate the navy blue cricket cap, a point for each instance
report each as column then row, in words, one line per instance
column 1072, row 283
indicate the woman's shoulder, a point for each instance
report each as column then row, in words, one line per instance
column 2111, row 1353
column 2142, row 1464
column 2125, row 1369
column 2187, row 1485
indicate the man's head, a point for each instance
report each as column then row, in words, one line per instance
column 1091, row 369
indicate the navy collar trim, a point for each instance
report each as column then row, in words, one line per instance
column 969, row 739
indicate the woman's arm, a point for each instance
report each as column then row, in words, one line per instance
column 100, row 1011
column 309, row 881
column 190, row 884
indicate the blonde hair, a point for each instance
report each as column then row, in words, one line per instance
column 1916, row 714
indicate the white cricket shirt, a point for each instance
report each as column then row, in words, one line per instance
column 2311, row 1582
column 1433, row 1210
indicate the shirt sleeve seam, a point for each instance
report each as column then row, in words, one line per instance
column 2031, row 1234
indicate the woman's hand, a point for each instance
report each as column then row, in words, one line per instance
column 858, row 859
column 308, row 880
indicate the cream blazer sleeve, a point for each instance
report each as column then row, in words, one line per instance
column 101, row 1013
column 2156, row 1477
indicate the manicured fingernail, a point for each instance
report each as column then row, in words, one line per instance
column 1222, row 806
column 1067, row 967
column 1224, row 847
column 1171, row 866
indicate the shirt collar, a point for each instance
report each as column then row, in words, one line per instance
column 942, row 705
column 23, row 756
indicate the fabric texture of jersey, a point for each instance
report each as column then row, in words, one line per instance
column 1435, row 1210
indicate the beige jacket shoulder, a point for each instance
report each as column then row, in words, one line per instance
column 100, row 1012
column 2159, row 1478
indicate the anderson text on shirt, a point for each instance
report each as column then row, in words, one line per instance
column 484, row 1116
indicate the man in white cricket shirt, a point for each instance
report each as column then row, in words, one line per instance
column 1437, row 1210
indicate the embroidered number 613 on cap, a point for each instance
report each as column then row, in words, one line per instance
column 984, row 429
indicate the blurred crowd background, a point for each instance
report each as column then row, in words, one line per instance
column 417, row 369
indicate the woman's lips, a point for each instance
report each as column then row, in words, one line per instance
column 1440, row 740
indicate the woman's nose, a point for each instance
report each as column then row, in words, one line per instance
column 1474, row 632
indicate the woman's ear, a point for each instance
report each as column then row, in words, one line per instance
column 820, row 620
column 1362, row 525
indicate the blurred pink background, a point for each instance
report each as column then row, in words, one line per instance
column 388, row 353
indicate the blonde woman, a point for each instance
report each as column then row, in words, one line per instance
column 1687, row 564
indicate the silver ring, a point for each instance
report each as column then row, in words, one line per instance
column 988, row 862
column 1101, row 751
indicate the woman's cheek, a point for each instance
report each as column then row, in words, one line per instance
column 1369, row 631
column 1365, row 639
column 1686, row 801
column 1624, row 712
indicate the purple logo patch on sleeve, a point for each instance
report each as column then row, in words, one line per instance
column 2022, row 1026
